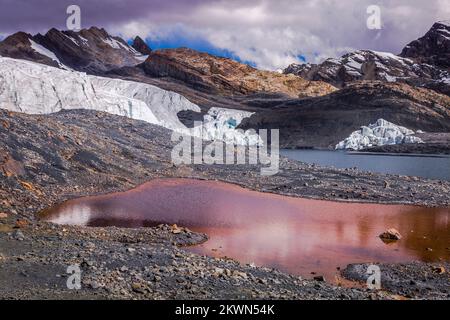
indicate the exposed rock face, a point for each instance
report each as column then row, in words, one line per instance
column 380, row 133
column 209, row 73
column 433, row 48
column 325, row 121
column 140, row 46
column 373, row 65
column 90, row 50
column 19, row 46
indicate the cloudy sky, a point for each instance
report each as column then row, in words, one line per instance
column 268, row 34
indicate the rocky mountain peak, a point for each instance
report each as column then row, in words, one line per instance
column 140, row 46
column 423, row 63
column 21, row 45
column 90, row 50
column 18, row 38
column 364, row 65
column 100, row 32
column 433, row 48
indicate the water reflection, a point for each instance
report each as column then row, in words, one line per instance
column 295, row 235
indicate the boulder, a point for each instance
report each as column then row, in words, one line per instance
column 391, row 234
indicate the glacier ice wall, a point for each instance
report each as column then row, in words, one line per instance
column 380, row 133
column 39, row 89
column 220, row 124
column 34, row 88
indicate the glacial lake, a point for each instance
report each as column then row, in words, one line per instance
column 295, row 235
column 426, row 166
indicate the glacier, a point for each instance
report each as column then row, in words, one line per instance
column 380, row 133
column 220, row 124
column 34, row 88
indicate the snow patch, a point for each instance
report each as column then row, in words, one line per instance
column 112, row 43
column 71, row 39
column 45, row 52
column 354, row 64
column 141, row 57
column 444, row 23
column 118, row 45
column 83, row 40
column 444, row 31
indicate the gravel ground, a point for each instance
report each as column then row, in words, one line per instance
column 409, row 280
column 138, row 264
column 45, row 160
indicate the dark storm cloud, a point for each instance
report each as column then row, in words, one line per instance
column 271, row 34
column 40, row 15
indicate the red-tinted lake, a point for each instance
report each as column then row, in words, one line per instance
column 295, row 235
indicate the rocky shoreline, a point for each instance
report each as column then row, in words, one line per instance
column 48, row 159
column 433, row 143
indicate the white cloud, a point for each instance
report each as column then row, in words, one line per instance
column 270, row 33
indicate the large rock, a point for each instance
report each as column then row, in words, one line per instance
column 391, row 234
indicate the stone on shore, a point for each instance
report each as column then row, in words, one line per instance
column 391, row 234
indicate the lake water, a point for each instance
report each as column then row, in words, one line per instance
column 295, row 235
column 427, row 166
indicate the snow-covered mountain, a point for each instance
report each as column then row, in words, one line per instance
column 424, row 63
column 91, row 50
column 371, row 65
column 365, row 65
column 39, row 89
